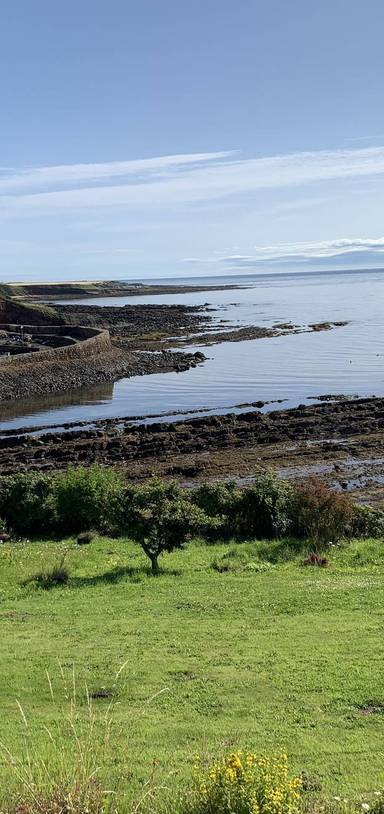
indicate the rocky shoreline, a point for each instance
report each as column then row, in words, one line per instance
column 341, row 441
column 118, row 363
column 161, row 327
column 139, row 323
column 145, row 339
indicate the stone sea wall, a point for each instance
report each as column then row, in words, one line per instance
column 90, row 342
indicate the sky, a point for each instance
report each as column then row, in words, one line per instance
column 160, row 138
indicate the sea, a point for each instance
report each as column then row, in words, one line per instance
column 283, row 371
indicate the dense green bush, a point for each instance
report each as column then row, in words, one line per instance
column 88, row 498
column 263, row 508
column 220, row 501
column 80, row 499
column 215, row 498
column 270, row 508
column 26, row 503
column 72, row 501
column 367, row 522
column 258, row 510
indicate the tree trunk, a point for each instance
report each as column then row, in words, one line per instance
column 154, row 563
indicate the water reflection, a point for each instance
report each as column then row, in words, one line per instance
column 55, row 402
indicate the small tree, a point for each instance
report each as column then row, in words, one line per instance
column 161, row 518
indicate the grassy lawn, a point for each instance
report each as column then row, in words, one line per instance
column 274, row 659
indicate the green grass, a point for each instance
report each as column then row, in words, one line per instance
column 270, row 659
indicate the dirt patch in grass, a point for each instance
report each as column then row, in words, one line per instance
column 371, row 708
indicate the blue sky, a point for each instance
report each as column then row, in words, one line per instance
column 146, row 138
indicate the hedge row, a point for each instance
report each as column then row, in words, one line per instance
column 98, row 498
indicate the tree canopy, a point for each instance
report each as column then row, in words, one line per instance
column 161, row 517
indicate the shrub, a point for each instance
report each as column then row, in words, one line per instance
column 161, row 517
column 215, row 498
column 242, row 783
column 231, row 561
column 224, row 566
column 367, row 522
column 88, row 498
column 26, row 503
column 85, row 538
column 260, row 510
column 220, row 501
column 263, row 509
column 319, row 513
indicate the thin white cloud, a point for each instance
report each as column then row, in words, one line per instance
column 284, row 252
column 109, row 251
column 74, row 174
column 326, row 248
column 365, row 138
column 201, row 260
column 172, row 181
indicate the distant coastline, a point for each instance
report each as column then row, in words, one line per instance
column 105, row 288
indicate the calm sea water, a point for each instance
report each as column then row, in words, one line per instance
column 347, row 360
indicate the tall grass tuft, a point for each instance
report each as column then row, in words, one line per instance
column 49, row 578
column 65, row 773
column 77, row 765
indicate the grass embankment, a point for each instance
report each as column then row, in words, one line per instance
column 270, row 657
column 26, row 313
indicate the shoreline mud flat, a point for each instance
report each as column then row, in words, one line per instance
column 163, row 327
column 341, row 441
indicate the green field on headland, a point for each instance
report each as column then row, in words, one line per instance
column 268, row 655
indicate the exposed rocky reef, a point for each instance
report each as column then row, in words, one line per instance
column 343, row 442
